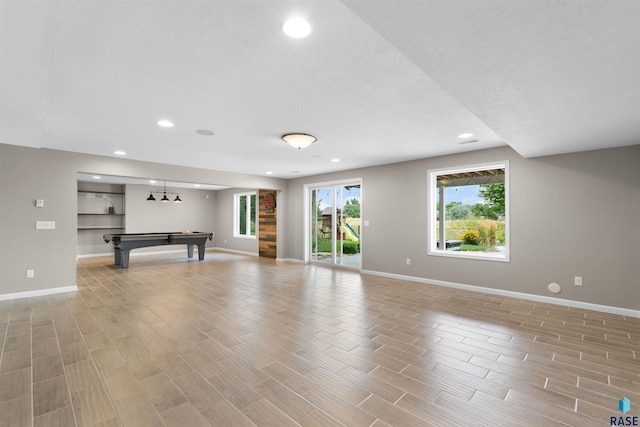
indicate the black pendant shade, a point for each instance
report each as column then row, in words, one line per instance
column 164, row 195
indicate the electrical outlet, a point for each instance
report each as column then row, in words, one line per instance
column 45, row 225
column 408, row 261
column 578, row 281
column 30, row 274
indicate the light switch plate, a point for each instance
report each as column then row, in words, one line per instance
column 45, row 225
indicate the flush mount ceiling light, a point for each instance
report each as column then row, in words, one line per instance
column 120, row 153
column 465, row 135
column 299, row 140
column 165, row 123
column 296, row 28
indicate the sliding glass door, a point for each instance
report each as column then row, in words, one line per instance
column 335, row 224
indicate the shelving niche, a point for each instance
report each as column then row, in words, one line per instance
column 101, row 209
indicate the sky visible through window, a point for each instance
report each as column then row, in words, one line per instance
column 325, row 198
column 466, row 194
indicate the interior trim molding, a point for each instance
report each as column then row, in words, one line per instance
column 93, row 255
column 297, row 261
column 235, row 251
column 513, row 294
column 38, row 293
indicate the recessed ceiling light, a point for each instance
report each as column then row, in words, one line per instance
column 335, row 160
column 269, row 172
column 97, row 177
column 296, row 28
column 165, row 123
column 196, row 185
column 205, row 132
column 152, row 181
column 465, row 135
column 120, row 153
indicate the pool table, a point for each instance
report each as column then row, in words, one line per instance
column 123, row 243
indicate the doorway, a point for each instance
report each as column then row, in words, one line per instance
column 335, row 223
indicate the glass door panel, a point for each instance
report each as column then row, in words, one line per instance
column 321, row 224
column 335, row 225
column 348, row 225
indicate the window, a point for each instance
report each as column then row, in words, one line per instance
column 469, row 212
column 244, row 217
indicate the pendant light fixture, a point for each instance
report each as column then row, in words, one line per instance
column 164, row 195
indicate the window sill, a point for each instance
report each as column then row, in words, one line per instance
column 487, row 256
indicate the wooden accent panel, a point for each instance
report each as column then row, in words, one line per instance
column 267, row 226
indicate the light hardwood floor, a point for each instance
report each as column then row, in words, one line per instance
column 238, row 341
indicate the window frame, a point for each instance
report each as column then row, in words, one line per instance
column 236, row 215
column 432, row 195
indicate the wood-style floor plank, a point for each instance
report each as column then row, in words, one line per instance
column 239, row 341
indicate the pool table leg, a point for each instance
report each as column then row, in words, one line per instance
column 190, row 251
column 201, row 252
column 116, row 256
column 125, row 259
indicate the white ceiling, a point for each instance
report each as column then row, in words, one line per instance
column 377, row 81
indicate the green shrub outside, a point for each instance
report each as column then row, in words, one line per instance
column 348, row 247
column 470, row 237
column 456, row 227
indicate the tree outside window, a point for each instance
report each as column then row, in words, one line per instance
column 245, row 214
column 468, row 212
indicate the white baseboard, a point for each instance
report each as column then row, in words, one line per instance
column 298, row 261
column 513, row 294
column 93, row 255
column 38, row 293
column 234, row 251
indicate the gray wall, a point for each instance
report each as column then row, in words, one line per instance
column 571, row 215
column 27, row 174
column 195, row 213
column 224, row 223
